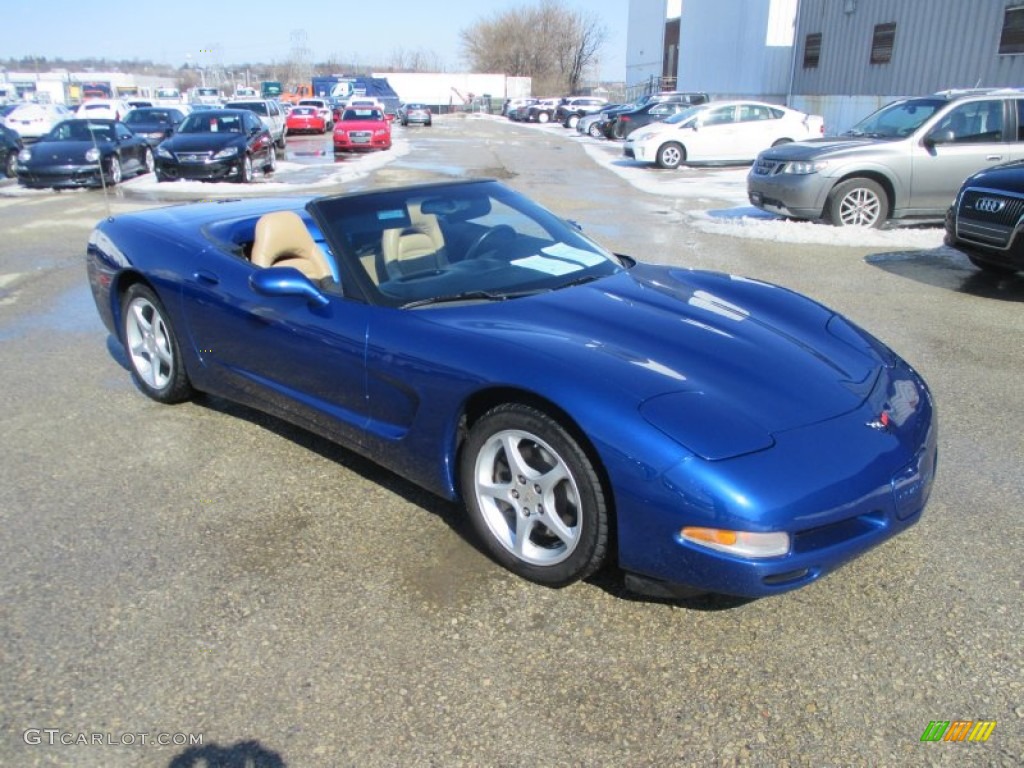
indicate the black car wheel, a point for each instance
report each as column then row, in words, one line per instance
column 283, row 141
column 671, row 155
column 595, row 130
column 543, row 117
column 245, row 170
column 148, row 163
column 1000, row 270
column 534, row 496
column 152, row 347
column 11, row 164
column 571, row 121
column 271, row 165
column 858, row 203
column 113, row 170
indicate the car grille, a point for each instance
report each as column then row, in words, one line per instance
column 988, row 217
column 193, row 157
column 360, row 137
column 766, row 167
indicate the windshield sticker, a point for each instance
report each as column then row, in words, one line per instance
column 549, row 266
column 577, row 255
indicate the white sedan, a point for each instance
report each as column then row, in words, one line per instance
column 104, row 109
column 720, row 132
column 31, row 121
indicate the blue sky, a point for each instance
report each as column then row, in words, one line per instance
column 366, row 31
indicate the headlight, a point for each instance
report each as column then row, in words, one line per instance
column 739, row 543
column 226, row 152
column 803, row 167
column 640, row 137
column 92, row 155
column 25, row 155
column 164, row 153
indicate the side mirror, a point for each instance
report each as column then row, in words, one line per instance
column 286, row 281
column 939, row 137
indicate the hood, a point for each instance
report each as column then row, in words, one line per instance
column 64, row 152
column 759, row 353
column 203, row 142
column 815, row 148
column 1008, row 177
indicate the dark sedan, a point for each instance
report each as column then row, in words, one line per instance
column 987, row 217
column 624, row 123
column 154, row 124
column 217, row 145
column 84, row 152
column 10, row 146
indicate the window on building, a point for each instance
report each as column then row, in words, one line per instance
column 882, row 43
column 812, row 50
column 1012, row 38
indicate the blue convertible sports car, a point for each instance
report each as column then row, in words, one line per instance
column 703, row 432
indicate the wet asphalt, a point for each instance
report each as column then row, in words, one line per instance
column 204, row 570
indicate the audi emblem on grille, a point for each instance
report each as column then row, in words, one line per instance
column 989, row 205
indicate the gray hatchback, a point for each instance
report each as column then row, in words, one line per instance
column 903, row 162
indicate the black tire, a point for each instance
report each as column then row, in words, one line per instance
column 858, row 203
column 595, row 131
column 148, row 163
column 11, row 164
column 996, row 270
column 245, row 170
column 670, row 155
column 571, row 121
column 271, row 165
column 543, row 117
column 152, row 347
column 550, row 535
column 113, row 171
column 283, row 141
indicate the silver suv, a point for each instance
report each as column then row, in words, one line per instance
column 271, row 115
column 905, row 161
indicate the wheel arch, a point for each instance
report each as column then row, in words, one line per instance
column 879, row 178
column 483, row 401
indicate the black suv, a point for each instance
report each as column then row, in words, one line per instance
column 986, row 219
column 651, row 109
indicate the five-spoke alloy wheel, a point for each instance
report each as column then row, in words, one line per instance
column 152, row 347
column 534, row 496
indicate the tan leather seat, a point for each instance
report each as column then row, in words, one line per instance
column 282, row 240
column 415, row 248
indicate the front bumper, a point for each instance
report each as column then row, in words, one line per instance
column 353, row 145
column 801, row 196
column 60, row 176
column 212, row 170
column 870, row 485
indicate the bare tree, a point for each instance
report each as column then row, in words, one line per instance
column 548, row 42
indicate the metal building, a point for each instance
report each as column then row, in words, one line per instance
column 853, row 56
column 839, row 58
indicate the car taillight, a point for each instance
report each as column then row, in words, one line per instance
column 625, row 119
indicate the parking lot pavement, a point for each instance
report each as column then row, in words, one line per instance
column 205, row 571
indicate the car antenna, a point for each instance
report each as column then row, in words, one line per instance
column 103, row 179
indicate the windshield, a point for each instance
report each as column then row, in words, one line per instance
column 682, row 117
column 148, row 116
column 449, row 243
column 896, row 120
column 362, row 114
column 206, row 122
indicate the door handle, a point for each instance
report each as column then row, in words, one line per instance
column 994, row 157
column 206, row 277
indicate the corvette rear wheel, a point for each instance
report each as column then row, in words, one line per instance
column 153, row 351
column 534, row 496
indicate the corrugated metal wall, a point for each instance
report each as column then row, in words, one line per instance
column 736, row 47
column 939, row 44
column 645, row 40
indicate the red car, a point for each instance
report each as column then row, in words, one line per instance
column 305, row 120
column 362, row 128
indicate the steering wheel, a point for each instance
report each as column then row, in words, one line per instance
column 491, row 238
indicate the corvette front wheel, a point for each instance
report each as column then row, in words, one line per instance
column 152, row 347
column 534, row 496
